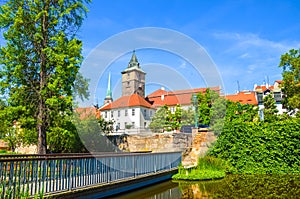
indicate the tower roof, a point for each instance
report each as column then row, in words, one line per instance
column 108, row 91
column 133, row 59
column 133, row 64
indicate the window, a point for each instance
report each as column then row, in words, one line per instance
column 133, row 123
column 260, row 98
column 277, row 96
column 145, row 112
column 112, row 113
column 150, row 113
column 105, row 114
column 172, row 109
column 126, row 112
column 145, row 123
column 119, row 113
column 133, row 112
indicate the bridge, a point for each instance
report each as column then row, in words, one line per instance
column 69, row 175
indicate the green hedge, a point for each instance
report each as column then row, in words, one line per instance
column 260, row 147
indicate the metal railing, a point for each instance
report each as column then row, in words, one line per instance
column 43, row 174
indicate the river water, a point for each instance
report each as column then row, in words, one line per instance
column 232, row 186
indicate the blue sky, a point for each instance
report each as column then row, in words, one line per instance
column 244, row 38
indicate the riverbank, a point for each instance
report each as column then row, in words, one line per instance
column 208, row 168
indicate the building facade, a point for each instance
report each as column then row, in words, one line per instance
column 133, row 111
column 263, row 90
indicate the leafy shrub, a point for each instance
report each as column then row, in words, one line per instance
column 260, row 147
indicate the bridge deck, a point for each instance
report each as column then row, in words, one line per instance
column 52, row 174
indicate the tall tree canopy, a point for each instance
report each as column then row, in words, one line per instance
column 41, row 58
column 290, row 62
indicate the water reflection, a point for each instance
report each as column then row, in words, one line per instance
column 244, row 186
column 233, row 186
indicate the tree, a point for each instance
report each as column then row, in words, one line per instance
column 159, row 120
column 106, row 127
column 41, row 58
column 174, row 119
column 188, row 116
column 270, row 109
column 290, row 63
column 205, row 102
column 218, row 114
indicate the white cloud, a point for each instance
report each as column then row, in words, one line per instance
column 249, row 41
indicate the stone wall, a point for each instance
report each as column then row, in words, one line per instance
column 202, row 140
column 155, row 142
column 3, row 145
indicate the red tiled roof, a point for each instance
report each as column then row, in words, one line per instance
column 243, row 98
column 279, row 81
column 85, row 112
column 172, row 98
column 127, row 101
column 263, row 88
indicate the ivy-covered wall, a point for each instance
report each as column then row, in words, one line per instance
column 260, row 147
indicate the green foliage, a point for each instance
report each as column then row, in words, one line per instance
column 106, row 127
column 188, row 116
column 7, row 152
column 290, row 63
column 165, row 120
column 93, row 134
column 260, row 147
column 205, row 103
column 159, row 120
column 225, row 111
column 174, row 119
column 17, row 193
column 208, row 168
column 270, row 109
column 40, row 61
column 63, row 137
column 218, row 114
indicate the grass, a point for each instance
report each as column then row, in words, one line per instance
column 208, row 168
column 4, row 152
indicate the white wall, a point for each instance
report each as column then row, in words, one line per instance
column 141, row 118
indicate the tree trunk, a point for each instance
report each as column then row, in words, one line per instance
column 42, row 115
column 42, row 144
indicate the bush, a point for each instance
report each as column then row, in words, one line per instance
column 260, row 147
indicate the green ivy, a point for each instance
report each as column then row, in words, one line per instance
column 260, row 147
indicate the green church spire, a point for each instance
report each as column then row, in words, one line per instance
column 108, row 92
